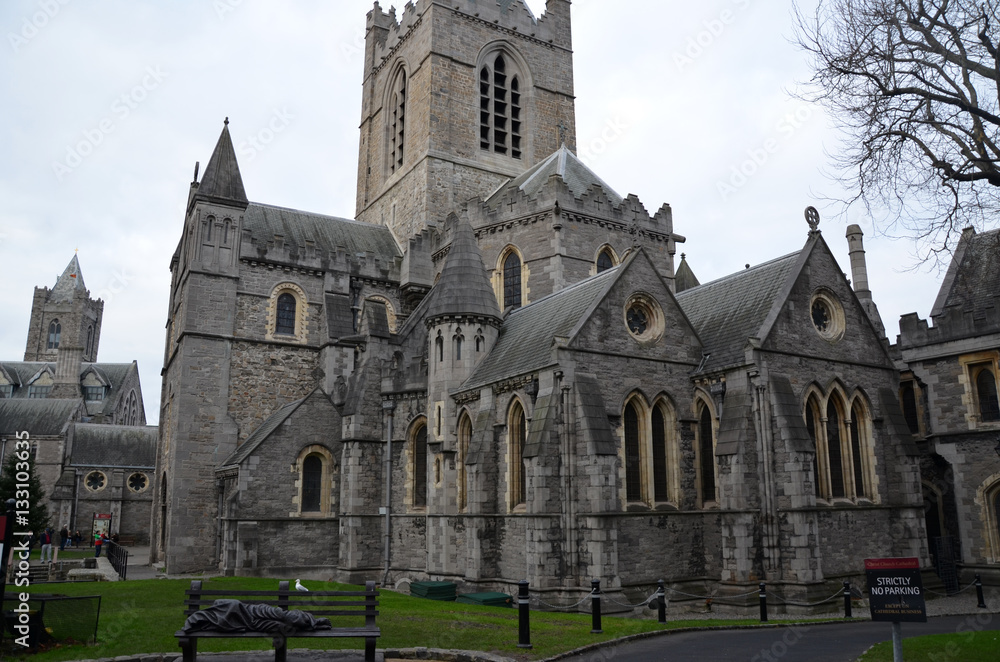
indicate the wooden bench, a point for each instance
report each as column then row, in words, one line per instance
column 327, row 604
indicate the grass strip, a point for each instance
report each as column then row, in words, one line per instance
column 141, row 617
column 983, row 646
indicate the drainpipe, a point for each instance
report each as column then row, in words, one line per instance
column 388, row 407
column 76, row 496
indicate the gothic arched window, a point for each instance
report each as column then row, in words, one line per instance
column 90, row 342
column 397, row 122
column 419, row 470
column 312, row 484
column 605, row 261
column 512, row 281
column 464, row 440
column 633, row 454
column 706, row 455
column 500, row 108
column 516, row 429
column 660, row 490
column 834, row 451
column 986, row 387
column 55, row 330
column 285, row 323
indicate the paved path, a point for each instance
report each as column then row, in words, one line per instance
column 816, row 643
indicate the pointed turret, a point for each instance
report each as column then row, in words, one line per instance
column 685, row 278
column 69, row 282
column 464, row 288
column 222, row 181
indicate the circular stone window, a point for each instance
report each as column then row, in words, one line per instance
column 138, row 482
column 95, row 481
column 644, row 318
column 827, row 315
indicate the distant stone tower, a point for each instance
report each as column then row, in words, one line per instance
column 66, row 317
column 195, row 429
column 458, row 97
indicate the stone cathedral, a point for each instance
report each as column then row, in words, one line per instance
column 500, row 371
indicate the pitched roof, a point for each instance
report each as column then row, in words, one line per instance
column 69, row 282
column 37, row 417
column 326, row 233
column 562, row 163
column 114, row 446
column 222, row 179
column 973, row 279
column 464, row 288
column 728, row 311
column 258, row 436
column 525, row 341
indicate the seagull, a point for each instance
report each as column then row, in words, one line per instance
column 300, row 587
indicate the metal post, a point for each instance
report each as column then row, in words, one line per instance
column 763, row 602
column 847, row 599
column 595, row 606
column 979, row 592
column 897, row 641
column 523, row 625
column 661, row 602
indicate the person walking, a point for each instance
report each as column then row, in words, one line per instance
column 46, row 540
column 98, row 543
column 63, row 538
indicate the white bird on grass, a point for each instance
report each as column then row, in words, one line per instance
column 300, row 587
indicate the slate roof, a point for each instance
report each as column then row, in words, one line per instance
column 258, row 436
column 132, row 447
column 565, row 164
column 114, row 374
column 464, row 288
column 728, row 311
column 221, row 179
column 328, row 233
column 525, row 342
column 972, row 283
column 37, row 417
column 70, row 281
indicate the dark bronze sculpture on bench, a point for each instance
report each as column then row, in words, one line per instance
column 267, row 614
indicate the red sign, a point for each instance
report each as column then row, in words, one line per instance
column 892, row 564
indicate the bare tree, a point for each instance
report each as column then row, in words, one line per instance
column 915, row 86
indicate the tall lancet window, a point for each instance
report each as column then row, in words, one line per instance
column 500, row 108
column 397, row 129
column 55, row 330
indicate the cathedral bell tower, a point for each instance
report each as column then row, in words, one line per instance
column 196, row 431
column 458, row 97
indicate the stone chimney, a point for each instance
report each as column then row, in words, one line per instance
column 67, row 381
column 859, row 276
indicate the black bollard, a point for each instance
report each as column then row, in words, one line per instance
column 763, row 602
column 847, row 599
column 979, row 592
column 595, row 606
column 661, row 603
column 523, row 624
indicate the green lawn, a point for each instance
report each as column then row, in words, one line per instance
column 966, row 647
column 142, row 616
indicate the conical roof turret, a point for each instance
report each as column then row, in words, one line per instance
column 222, row 181
column 464, row 288
column 69, row 282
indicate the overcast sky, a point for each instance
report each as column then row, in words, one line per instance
column 107, row 104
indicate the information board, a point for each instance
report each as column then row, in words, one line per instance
column 895, row 590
